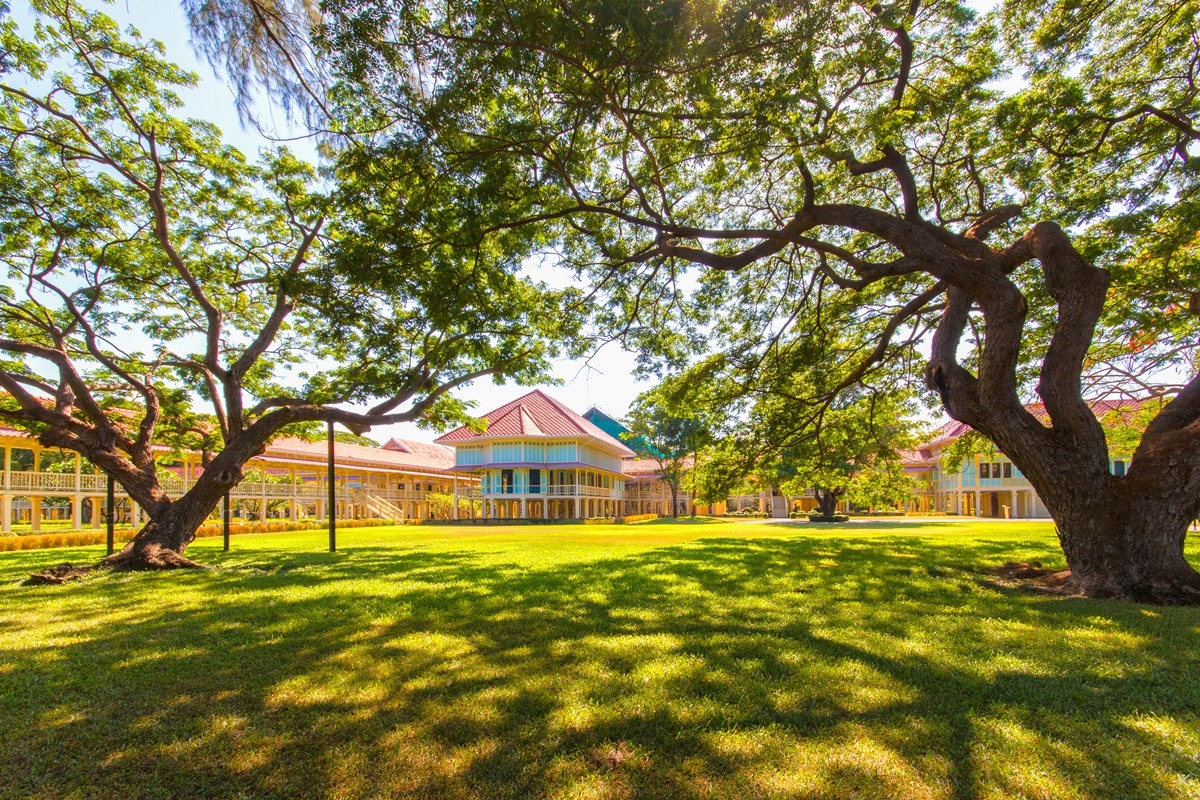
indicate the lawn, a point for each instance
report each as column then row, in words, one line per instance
column 714, row 659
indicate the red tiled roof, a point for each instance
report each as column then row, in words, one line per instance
column 397, row 453
column 647, row 466
column 921, row 457
column 534, row 414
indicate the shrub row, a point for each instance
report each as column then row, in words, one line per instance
column 600, row 521
column 83, row 538
column 828, row 518
column 640, row 517
column 747, row 513
column 75, row 539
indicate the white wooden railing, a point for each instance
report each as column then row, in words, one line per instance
column 551, row 491
column 70, row 483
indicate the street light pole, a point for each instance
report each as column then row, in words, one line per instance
column 332, row 496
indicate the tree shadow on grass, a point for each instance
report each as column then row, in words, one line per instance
column 793, row 667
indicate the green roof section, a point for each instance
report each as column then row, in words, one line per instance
column 616, row 429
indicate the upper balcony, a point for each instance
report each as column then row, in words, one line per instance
column 553, row 491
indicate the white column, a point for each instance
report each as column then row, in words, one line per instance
column 6, row 511
column 35, row 514
column 524, row 509
column 294, row 515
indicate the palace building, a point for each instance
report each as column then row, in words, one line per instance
column 532, row 458
column 990, row 485
column 537, row 459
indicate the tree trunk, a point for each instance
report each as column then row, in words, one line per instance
column 1123, row 537
column 160, row 544
column 1129, row 557
column 674, row 501
column 826, row 501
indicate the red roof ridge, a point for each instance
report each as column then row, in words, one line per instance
column 398, row 445
column 536, row 414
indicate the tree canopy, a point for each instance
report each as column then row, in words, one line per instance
column 160, row 287
column 783, row 165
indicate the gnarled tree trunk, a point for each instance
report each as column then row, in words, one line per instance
column 827, row 500
column 161, row 542
column 1123, row 536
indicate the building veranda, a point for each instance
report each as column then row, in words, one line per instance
column 288, row 481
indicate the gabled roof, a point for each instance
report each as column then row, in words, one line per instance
column 517, row 421
column 535, row 414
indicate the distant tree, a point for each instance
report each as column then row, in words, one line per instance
column 718, row 473
column 675, row 435
column 881, row 485
column 150, row 268
column 441, row 504
column 864, row 435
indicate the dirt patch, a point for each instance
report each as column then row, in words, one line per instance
column 611, row 757
column 1033, row 576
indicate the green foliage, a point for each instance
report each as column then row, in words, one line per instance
column 441, row 504
column 1123, row 427
column 1105, row 140
column 965, row 448
column 264, row 49
column 673, row 158
column 881, row 485
column 152, row 271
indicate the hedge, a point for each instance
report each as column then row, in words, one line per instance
column 83, row 538
column 640, row 518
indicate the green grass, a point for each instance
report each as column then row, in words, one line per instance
column 689, row 660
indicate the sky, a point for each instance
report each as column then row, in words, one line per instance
column 605, row 380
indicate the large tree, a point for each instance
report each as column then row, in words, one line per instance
column 151, row 271
column 870, row 157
